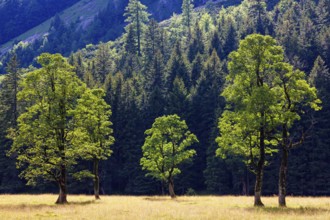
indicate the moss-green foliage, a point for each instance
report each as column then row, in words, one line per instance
column 265, row 97
column 166, row 147
column 43, row 140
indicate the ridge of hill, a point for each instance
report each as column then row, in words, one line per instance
column 82, row 12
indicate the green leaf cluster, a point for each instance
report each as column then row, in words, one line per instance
column 165, row 147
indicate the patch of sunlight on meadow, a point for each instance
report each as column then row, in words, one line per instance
column 156, row 207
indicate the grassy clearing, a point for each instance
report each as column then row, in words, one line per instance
column 144, row 207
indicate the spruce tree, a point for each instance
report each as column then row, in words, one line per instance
column 188, row 16
column 137, row 17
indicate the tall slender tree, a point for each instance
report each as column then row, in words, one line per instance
column 8, row 94
column 92, row 117
column 296, row 96
column 188, row 16
column 246, row 126
column 137, row 18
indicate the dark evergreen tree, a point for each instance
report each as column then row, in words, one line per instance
column 204, row 112
column 137, row 18
column 197, row 45
column 178, row 66
column 103, row 64
column 216, row 44
column 197, row 69
column 9, row 112
column 188, row 16
column 257, row 11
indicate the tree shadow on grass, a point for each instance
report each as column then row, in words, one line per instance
column 162, row 199
column 40, row 206
column 297, row 211
column 157, row 199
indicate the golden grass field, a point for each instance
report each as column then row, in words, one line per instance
column 145, row 207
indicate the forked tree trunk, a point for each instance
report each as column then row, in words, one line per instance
column 96, row 180
column 62, row 185
column 171, row 188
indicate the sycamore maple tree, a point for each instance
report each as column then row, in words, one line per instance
column 263, row 93
column 92, row 118
column 166, row 147
column 43, row 140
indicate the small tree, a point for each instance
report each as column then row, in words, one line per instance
column 165, row 148
column 92, row 119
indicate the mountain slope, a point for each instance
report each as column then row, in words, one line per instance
column 18, row 16
column 82, row 12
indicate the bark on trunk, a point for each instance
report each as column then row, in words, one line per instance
column 260, row 169
column 62, row 185
column 96, row 180
column 171, row 188
column 257, row 189
column 282, row 178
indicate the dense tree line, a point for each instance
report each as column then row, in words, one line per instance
column 65, row 37
column 180, row 67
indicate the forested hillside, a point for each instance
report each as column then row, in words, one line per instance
column 181, row 66
column 86, row 22
column 18, row 16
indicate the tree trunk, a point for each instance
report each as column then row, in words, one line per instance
column 260, row 170
column 257, row 189
column 171, row 188
column 283, row 169
column 62, row 185
column 96, row 180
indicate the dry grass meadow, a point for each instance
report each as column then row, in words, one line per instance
column 144, row 207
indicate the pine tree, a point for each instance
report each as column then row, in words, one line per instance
column 9, row 105
column 137, row 17
column 322, row 14
column 257, row 10
column 216, row 44
column 178, row 66
column 197, row 69
column 188, row 16
column 103, row 64
column 9, row 112
column 155, row 86
column 153, row 40
column 78, row 63
column 203, row 116
column 197, row 44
